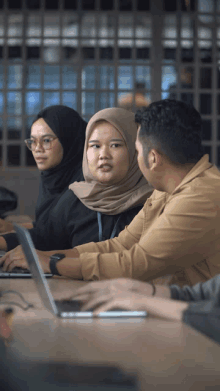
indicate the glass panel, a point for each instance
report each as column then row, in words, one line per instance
column 208, row 150
column 204, row 33
column 142, row 53
column 69, row 77
column 170, row 27
column 107, row 77
column 106, row 50
column 143, row 27
column 51, row 98
column 125, row 5
column 1, row 103
column 1, row 76
column 142, row 78
column 33, row 53
column 106, row 5
column 2, row 28
column 51, row 4
column 187, row 51
column 33, row 25
column 205, row 104
column 88, row 4
column 186, row 77
column 88, row 77
column 14, row 79
column 29, row 160
column 106, row 99
column 70, row 4
column 206, row 129
column 125, row 78
column 169, row 5
column 187, row 98
column 51, row 77
column 205, row 51
column 51, row 51
column 70, row 99
column 1, row 155
column 124, row 53
column 169, row 78
column 32, row 102
column 205, row 6
column 33, row 4
column 14, row 125
column 169, row 54
column 14, row 52
column 29, row 122
column 13, row 155
column 143, row 5
column 1, row 129
column 88, row 103
column 15, row 25
column 14, row 103
column 187, row 27
column 205, row 78
column 70, row 25
column 125, row 26
column 88, row 25
column 88, row 50
column 106, row 26
column 51, row 25
column 33, row 79
column 69, row 50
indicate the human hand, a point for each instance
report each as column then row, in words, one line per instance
column 16, row 258
column 112, row 287
column 5, row 226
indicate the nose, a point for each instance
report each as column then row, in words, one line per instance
column 104, row 152
column 39, row 146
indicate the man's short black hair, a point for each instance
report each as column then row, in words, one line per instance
column 173, row 128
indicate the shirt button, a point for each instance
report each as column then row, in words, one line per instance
column 150, row 204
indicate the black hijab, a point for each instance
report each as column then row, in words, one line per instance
column 70, row 128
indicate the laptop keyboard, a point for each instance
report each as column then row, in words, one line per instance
column 18, row 272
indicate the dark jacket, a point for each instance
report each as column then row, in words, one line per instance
column 203, row 312
column 71, row 223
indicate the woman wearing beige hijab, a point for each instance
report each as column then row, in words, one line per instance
column 112, row 193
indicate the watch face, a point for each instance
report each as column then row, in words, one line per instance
column 57, row 257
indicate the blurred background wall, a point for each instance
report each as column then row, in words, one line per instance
column 93, row 54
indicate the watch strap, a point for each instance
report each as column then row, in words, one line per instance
column 53, row 263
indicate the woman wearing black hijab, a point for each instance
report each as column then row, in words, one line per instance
column 56, row 141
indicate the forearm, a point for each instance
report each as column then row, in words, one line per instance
column 164, row 308
column 162, row 291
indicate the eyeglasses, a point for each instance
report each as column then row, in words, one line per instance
column 45, row 142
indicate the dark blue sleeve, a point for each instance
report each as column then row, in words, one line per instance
column 201, row 291
column 204, row 316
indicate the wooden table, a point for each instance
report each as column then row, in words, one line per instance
column 166, row 355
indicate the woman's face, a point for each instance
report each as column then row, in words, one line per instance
column 107, row 154
column 45, row 159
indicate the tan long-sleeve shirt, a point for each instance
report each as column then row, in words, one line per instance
column 177, row 234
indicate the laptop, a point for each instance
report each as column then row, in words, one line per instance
column 18, row 272
column 60, row 308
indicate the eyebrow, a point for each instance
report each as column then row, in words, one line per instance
column 45, row 135
column 113, row 139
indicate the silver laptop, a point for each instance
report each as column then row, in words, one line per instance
column 64, row 308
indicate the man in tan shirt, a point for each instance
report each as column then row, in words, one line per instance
column 178, row 230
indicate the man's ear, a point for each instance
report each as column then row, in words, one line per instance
column 154, row 159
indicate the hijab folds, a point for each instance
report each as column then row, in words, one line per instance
column 133, row 189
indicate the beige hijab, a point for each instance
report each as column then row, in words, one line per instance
column 133, row 189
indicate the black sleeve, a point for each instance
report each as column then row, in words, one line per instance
column 11, row 240
column 201, row 291
column 204, row 316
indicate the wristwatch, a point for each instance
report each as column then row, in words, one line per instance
column 53, row 262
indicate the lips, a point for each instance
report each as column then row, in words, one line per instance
column 105, row 166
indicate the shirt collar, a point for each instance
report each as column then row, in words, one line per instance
column 202, row 165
